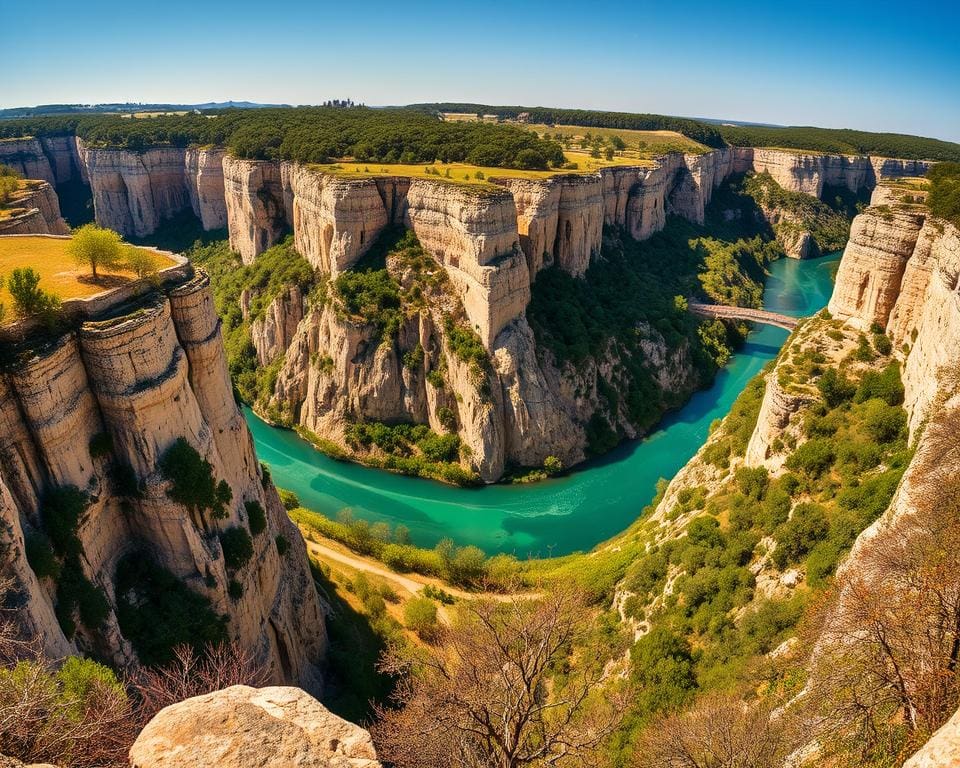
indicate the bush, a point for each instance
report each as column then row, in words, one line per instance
column 40, row 556
column 420, row 615
column 813, row 457
column 885, row 385
column 235, row 590
column 256, row 517
column 753, row 481
column 807, row 526
column 193, row 482
column 283, row 546
column 101, row 444
column 237, row 547
column 885, row 423
column 62, row 511
column 288, row 499
column 28, row 298
column 158, row 612
column 835, row 388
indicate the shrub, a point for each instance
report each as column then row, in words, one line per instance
column 885, row 385
column 193, row 482
column 835, row 388
column 101, row 444
column 753, row 481
column 256, row 517
column 40, row 556
column 235, row 590
column 882, row 343
column 28, row 298
column 158, row 612
column 552, row 465
column 63, row 509
column 795, row 538
column 813, row 457
column 289, row 499
column 420, row 615
column 237, row 547
column 283, row 546
column 885, row 423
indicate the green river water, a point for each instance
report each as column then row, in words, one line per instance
column 557, row 516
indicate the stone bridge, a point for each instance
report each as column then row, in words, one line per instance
column 744, row 313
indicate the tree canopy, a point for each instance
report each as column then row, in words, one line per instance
column 310, row 135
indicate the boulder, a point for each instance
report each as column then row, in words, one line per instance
column 241, row 727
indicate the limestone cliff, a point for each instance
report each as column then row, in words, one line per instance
column 96, row 408
column 34, row 210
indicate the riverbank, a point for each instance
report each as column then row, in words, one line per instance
column 559, row 515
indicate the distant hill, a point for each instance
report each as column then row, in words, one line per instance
column 124, row 107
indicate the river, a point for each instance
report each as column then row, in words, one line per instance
column 556, row 516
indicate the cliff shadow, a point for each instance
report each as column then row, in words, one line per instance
column 76, row 202
column 179, row 233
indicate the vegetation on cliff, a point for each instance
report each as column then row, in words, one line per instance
column 275, row 270
column 842, row 141
column 944, row 198
column 309, row 135
column 799, row 212
column 634, row 296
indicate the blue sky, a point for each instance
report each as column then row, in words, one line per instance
column 873, row 65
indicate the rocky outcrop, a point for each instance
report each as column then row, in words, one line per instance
column 240, row 727
column 203, row 169
column 254, row 200
column 273, row 331
column 119, row 392
column 35, row 210
column 26, row 157
column 882, row 240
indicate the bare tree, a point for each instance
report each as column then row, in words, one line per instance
column 192, row 674
column 501, row 688
column 720, row 731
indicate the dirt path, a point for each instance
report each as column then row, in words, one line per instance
column 411, row 582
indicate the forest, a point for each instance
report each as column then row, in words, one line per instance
column 310, row 135
column 693, row 129
column 841, row 141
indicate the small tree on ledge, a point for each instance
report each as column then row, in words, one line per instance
column 96, row 247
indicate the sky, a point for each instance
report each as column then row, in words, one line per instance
column 883, row 66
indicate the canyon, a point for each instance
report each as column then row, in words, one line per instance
column 491, row 239
column 87, row 415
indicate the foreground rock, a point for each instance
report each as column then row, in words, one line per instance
column 241, row 727
column 943, row 749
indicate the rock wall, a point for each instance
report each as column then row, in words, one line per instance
column 26, row 156
column 145, row 377
column 254, row 200
column 39, row 212
column 203, row 169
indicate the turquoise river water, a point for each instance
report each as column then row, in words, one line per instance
column 557, row 516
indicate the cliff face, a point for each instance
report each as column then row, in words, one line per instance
column 37, row 212
column 254, row 204
column 152, row 373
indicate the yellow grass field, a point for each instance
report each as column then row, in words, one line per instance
column 463, row 173
column 654, row 142
column 59, row 273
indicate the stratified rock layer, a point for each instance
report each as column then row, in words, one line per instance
column 137, row 382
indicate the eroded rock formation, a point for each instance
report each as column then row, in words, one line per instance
column 34, row 211
column 118, row 392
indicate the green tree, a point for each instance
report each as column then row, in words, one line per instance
column 141, row 262
column 96, row 247
column 28, row 298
